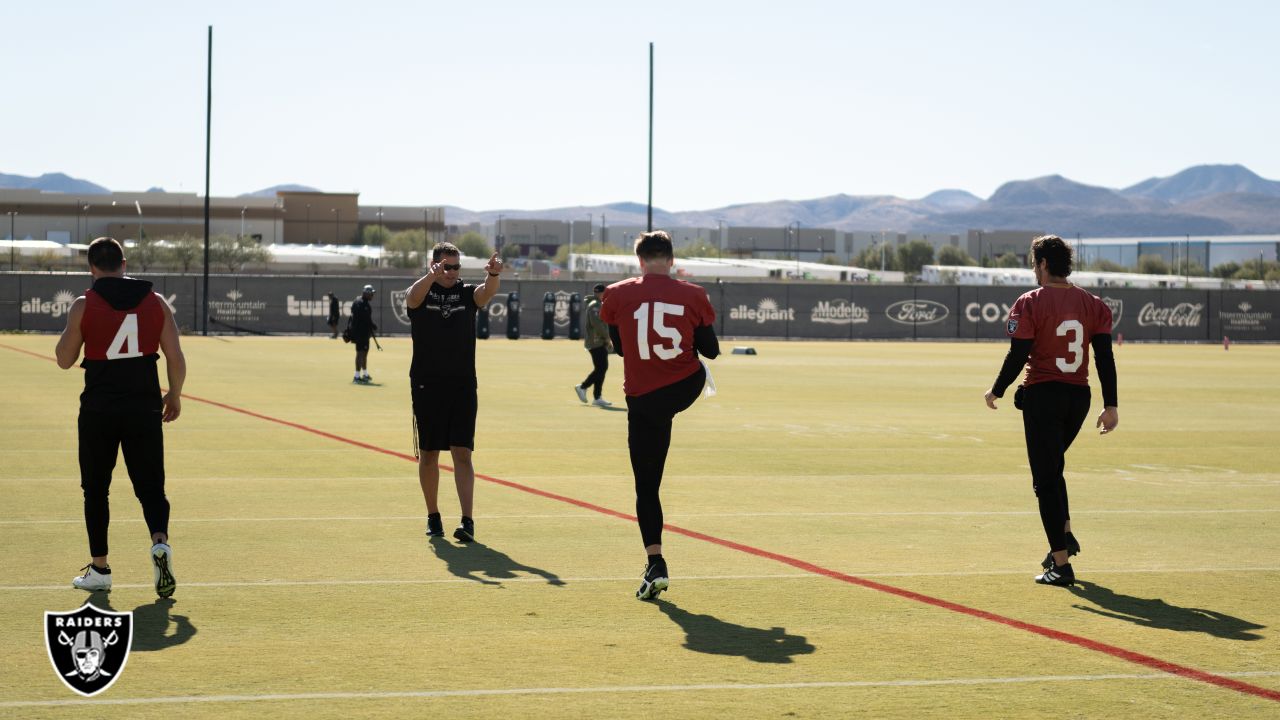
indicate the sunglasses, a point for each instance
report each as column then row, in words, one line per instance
column 447, row 266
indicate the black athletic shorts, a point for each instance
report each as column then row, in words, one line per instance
column 361, row 343
column 445, row 412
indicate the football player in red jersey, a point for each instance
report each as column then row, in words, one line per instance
column 122, row 324
column 659, row 326
column 1050, row 330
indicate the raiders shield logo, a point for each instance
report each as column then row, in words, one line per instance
column 1117, row 307
column 88, row 647
column 397, row 306
column 562, row 308
column 1013, row 325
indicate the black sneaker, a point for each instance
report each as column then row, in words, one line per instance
column 1061, row 576
column 435, row 528
column 466, row 532
column 654, row 580
column 1073, row 548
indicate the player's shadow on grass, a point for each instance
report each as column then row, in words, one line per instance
column 1156, row 613
column 477, row 561
column 151, row 623
column 711, row 635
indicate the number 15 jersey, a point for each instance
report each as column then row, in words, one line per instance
column 656, row 316
column 1060, row 322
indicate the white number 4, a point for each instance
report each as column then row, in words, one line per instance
column 1075, row 346
column 660, row 311
column 125, row 343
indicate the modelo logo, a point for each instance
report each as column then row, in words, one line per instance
column 839, row 312
column 917, row 312
column 986, row 312
column 1180, row 315
column 766, row 311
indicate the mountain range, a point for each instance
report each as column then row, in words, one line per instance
column 1201, row 200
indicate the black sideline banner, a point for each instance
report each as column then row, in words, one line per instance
column 269, row 305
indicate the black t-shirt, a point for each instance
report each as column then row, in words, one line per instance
column 361, row 318
column 444, row 335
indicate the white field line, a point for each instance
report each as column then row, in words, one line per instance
column 610, row 689
column 539, row 580
column 589, row 514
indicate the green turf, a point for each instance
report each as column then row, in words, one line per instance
column 307, row 589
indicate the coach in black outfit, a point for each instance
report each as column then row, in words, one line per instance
column 362, row 327
column 442, row 377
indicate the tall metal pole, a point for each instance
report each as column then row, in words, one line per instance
column 650, row 226
column 208, row 135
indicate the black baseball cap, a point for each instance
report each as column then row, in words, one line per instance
column 598, row 288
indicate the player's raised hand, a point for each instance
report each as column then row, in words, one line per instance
column 1108, row 419
column 494, row 266
column 990, row 397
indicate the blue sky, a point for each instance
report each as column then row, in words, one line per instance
column 494, row 105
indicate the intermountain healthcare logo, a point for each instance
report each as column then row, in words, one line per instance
column 1180, row 315
column 917, row 312
column 1244, row 321
column 839, row 312
column 766, row 311
column 88, row 647
column 236, row 308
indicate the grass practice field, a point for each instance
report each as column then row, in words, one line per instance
column 851, row 532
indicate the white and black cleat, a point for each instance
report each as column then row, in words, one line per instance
column 162, row 569
column 654, row 581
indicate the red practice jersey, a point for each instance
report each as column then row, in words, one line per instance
column 1061, row 322
column 121, row 349
column 656, row 317
column 111, row 334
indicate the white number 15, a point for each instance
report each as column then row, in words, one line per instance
column 659, row 312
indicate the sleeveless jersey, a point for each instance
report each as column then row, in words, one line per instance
column 121, row 349
column 656, row 316
column 443, row 329
column 1060, row 322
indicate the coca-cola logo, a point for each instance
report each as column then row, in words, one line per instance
column 1180, row 315
column 917, row 312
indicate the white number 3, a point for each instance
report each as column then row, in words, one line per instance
column 660, row 311
column 125, row 343
column 1075, row 346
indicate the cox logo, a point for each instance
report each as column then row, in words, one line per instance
column 917, row 312
column 986, row 312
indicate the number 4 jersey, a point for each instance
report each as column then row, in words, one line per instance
column 121, row 327
column 656, row 317
column 1060, row 321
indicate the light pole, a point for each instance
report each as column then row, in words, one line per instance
column 569, row 259
column 138, row 205
column 242, row 211
column 591, row 230
column 498, row 240
column 795, row 240
column 720, row 235
column 13, row 240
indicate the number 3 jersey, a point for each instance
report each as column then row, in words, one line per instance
column 1060, row 322
column 656, row 316
column 121, row 327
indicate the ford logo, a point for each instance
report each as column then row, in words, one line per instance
column 917, row 312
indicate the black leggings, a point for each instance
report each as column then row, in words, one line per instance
column 649, row 438
column 102, row 436
column 1052, row 414
column 600, row 366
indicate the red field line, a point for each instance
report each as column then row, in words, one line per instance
column 1077, row 640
